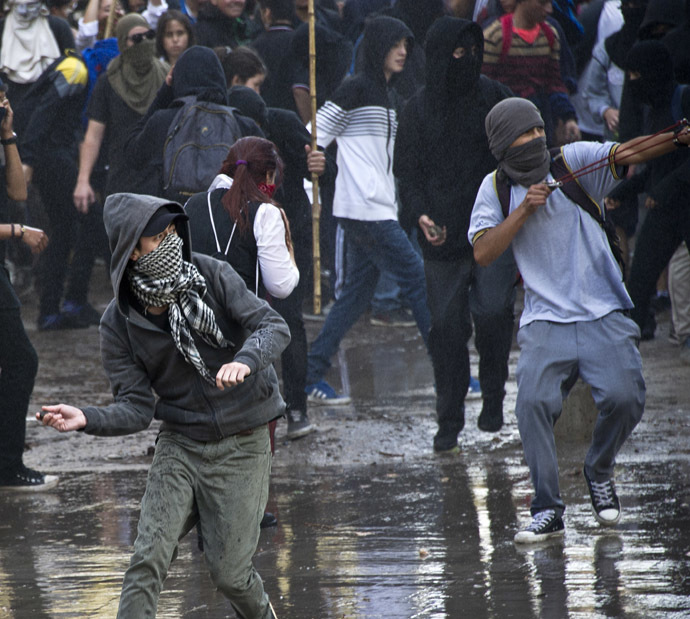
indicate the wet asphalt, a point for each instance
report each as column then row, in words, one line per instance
column 371, row 524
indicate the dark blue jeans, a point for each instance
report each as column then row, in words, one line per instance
column 372, row 247
column 19, row 364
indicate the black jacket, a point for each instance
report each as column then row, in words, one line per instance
column 441, row 151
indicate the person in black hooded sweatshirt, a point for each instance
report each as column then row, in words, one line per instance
column 438, row 180
column 197, row 72
column 667, row 224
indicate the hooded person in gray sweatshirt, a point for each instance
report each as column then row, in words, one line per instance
column 184, row 327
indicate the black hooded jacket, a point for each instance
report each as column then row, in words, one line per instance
column 442, row 152
column 678, row 43
column 198, row 72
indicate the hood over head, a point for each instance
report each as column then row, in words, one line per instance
column 126, row 216
column 380, row 35
column 198, row 73
column 124, row 25
column 249, row 103
column 507, row 121
column 652, row 60
column 669, row 13
column 449, row 78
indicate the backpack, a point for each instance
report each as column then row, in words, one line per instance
column 197, row 143
column 507, row 35
column 577, row 194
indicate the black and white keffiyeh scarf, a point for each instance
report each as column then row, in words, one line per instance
column 161, row 278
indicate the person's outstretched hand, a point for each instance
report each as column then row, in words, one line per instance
column 62, row 417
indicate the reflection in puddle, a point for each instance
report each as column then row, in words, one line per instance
column 429, row 540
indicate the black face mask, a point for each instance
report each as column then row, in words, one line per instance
column 463, row 73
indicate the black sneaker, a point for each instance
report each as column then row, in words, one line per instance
column 268, row 520
column 28, row 480
column 491, row 417
column 446, row 443
column 395, row 318
column 545, row 525
column 298, row 424
column 606, row 506
column 80, row 315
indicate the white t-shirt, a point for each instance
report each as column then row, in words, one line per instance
column 562, row 253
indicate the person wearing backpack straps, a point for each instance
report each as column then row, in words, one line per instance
column 522, row 51
column 574, row 321
column 195, row 84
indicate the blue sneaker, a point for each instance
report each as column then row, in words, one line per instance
column 323, row 393
column 474, row 392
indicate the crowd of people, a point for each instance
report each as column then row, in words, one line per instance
column 145, row 130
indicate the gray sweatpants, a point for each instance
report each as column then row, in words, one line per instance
column 223, row 484
column 604, row 354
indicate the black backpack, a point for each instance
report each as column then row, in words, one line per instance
column 572, row 189
column 198, row 141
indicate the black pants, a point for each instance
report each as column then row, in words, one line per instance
column 663, row 230
column 458, row 292
column 72, row 235
column 293, row 361
column 18, row 365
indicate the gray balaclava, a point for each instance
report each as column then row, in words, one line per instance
column 527, row 164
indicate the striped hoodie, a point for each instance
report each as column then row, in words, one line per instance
column 361, row 117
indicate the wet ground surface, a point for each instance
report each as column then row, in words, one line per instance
column 371, row 523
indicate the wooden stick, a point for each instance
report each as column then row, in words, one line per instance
column 111, row 20
column 316, row 207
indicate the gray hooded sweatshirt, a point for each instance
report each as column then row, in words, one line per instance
column 140, row 359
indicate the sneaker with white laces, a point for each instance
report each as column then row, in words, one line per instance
column 474, row 391
column 606, row 506
column 25, row 479
column 298, row 424
column 323, row 393
column 545, row 525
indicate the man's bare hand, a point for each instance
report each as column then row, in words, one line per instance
column 433, row 233
column 536, row 197
column 650, row 203
column 611, row 117
column 35, row 238
column 83, row 196
column 231, row 374
column 62, row 417
column 683, row 136
column 316, row 160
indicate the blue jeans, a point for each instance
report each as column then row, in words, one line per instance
column 372, row 247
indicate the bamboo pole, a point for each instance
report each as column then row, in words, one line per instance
column 111, row 20
column 316, row 207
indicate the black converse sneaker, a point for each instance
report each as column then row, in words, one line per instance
column 605, row 503
column 27, row 480
column 545, row 524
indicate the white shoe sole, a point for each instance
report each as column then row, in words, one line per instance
column 50, row 482
column 526, row 537
column 607, row 522
column 300, row 433
column 343, row 401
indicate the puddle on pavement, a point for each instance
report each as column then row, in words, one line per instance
column 429, row 540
